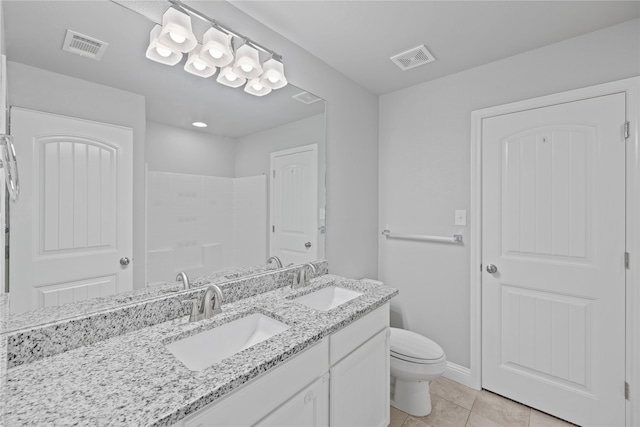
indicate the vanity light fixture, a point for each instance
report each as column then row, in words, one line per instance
column 255, row 87
column 197, row 65
column 228, row 78
column 247, row 63
column 216, row 47
column 273, row 74
column 159, row 52
column 175, row 36
column 176, row 31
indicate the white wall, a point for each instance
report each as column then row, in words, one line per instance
column 424, row 167
column 250, row 221
column 42, row 90
column 352, row 146
column 253, row 151
column 176, row 150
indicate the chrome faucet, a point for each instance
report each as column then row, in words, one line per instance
column 209, row 304
column 276, row 259
column 301, row 279
column 182, row 277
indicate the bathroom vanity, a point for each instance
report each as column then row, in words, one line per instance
column 343, row 380
column 329, row 366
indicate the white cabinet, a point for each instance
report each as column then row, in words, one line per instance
column 359, row 355
column 360, row 386
column 253, row 401
column 341, row 381
column 309, row 408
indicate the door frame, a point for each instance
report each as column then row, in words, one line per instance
column 631, row 87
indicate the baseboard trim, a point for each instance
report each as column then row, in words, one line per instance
column 459, row 374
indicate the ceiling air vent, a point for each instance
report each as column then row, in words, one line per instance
column 413, row 58
column 84, row 45
column 306, row 97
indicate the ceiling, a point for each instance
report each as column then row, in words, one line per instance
column 35, row 31
column 358, row 37
column 355, row 37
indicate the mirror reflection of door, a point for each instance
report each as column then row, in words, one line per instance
column 74, row 216
column 294, row 204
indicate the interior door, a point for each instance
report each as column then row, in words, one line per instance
column 553, row 281
column 294, row 205
column 71, row 227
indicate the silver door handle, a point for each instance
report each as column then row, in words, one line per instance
column 124, row 261
column 492, row 269
column 307, row 245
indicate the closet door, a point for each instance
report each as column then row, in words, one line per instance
column 553, row 281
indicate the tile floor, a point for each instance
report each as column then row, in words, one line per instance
column 454, row 405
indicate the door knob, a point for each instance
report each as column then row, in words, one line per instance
column 492, row 269
column 307, row 245
column 124, row 261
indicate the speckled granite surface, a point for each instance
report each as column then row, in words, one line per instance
column 83, row 308
column 88, row 326
column 4, row 310
column 133, row 380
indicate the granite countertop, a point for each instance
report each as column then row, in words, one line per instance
column 92, row 305
column 134, row 380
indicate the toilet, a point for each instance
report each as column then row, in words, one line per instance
column 415, row 361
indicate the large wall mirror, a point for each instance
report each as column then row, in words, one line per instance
column 215, row 201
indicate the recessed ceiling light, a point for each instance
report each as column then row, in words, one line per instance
column 199, row 124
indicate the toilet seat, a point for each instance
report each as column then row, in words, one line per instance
column 415, row 348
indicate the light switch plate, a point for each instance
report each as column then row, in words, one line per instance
column 461, row 217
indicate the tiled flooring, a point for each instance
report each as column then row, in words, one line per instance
column 455, row 405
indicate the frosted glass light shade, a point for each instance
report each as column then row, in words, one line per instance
column 247, row 63
column 198, row 66
column 229, row 78
column 254, row 87
column 216, row 48
column 176, row 31
column 159, row 52
column 273, row 74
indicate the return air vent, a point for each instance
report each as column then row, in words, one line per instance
column 306, row 97
column 84, row 45
column 413, row 58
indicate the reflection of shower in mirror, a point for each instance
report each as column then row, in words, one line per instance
column 10, row 166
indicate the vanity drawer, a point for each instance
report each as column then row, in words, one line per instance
column 354, row 335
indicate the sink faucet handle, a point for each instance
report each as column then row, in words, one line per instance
column 193, row 316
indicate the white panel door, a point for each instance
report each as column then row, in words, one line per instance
column 553, row 209
column 294, row 205
column 72, row 224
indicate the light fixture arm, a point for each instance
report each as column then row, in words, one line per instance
column 193, row 12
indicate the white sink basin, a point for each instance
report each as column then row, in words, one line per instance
column 202, row 350
column 327, row 298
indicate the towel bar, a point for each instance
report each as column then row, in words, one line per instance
column 457, row 238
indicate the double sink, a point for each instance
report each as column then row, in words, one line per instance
column 199, row 351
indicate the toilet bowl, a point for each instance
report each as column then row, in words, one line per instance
column 415, row 360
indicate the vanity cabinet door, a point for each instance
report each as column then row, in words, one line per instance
column 360, row 385
column 309, row 408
